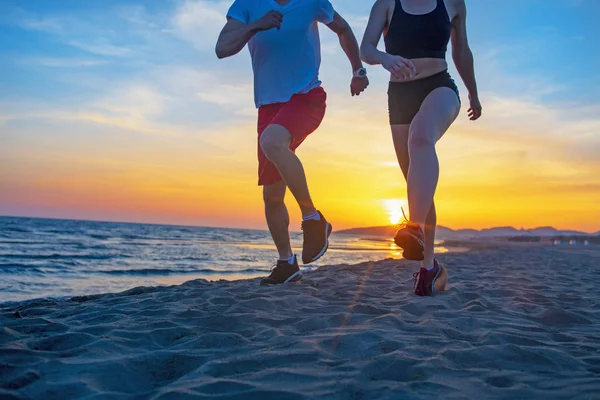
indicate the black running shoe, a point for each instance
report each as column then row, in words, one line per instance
column 316, row 238
column 411, row 239
column 283, row 272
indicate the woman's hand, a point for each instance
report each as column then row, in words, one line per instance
column 474, row 111
column 402, row 68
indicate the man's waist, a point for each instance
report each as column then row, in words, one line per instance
column 265, row 97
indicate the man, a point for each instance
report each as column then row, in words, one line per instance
column 284, row 44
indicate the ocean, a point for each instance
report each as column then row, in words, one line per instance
column 51, row 258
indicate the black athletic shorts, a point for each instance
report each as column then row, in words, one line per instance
column 405, row 98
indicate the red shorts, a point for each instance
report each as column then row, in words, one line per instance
column 301, row 116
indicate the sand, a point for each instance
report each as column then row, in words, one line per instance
column 513, row 323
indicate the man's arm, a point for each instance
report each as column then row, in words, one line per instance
column 350, row 46
column 463, row 58
column 347, row 40
column 236, row 34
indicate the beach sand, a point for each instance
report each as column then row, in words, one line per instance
column 513, row 323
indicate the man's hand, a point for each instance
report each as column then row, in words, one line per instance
column 270, row 20
column 474, row 111
column 358, row 85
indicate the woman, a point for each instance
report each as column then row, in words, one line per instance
column 423, row 103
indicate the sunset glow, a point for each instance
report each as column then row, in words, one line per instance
column 145, row 124
column 394, row 208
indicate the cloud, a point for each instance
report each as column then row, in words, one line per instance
column 136, row 101
column 199, row 22
column 160, row 100
column 136, row 15
column 47, row 24
column 102, row 47
column 232, row 95
column 358, row 23
column 502, row 70
column 52, row 62
column 88, row 32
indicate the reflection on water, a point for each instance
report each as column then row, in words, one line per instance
column 58, row 258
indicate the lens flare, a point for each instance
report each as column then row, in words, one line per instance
column 393, row 208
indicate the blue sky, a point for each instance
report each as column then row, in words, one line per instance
column 540, row 42
column 109, row 87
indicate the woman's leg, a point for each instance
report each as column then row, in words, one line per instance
column 400, row 135
column 439, row 109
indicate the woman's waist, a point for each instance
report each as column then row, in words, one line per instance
column 426, row 67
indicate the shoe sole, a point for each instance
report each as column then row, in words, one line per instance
column 412, row 246
column 328, row 229
column 294, row 277
column 441, row 271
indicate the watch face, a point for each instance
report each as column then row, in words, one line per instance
column 362, row 73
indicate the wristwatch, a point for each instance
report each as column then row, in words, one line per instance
column 360, row 73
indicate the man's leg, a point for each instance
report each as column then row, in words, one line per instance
column 278, row 219
column 275, row 143
column 400, row 134
column 288, row 128
column 286, row 269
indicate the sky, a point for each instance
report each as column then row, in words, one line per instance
column 119, row 110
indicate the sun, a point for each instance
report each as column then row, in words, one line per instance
column 393, row 208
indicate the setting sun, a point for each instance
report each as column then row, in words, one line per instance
column 393, row 208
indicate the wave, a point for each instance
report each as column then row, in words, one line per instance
column 175, row 271
column 99, row 236
column 204, row 257
column 16, row 229
column 15, row 265
column 16, row 241
column 19, row 269
column 361, row 248
column 150, row 238
column 58, row 256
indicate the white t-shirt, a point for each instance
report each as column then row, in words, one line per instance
column 286, row 61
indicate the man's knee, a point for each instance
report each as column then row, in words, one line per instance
column 273, row 201
column 274, row 195
column 274, row 140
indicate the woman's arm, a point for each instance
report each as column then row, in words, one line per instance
column 398, row 66
column 463, row 58
column 375, row 27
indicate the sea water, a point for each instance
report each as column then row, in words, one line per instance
column 51, row 258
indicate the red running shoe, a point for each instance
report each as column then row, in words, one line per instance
column 429, row 282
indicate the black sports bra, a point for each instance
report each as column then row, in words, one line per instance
column 419, row 36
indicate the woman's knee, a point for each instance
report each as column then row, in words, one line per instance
column 400, row 139
column 421, row 136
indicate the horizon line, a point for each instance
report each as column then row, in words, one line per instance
column 258, row 229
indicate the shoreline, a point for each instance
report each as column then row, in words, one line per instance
column 446, row 247
column 168, row 278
